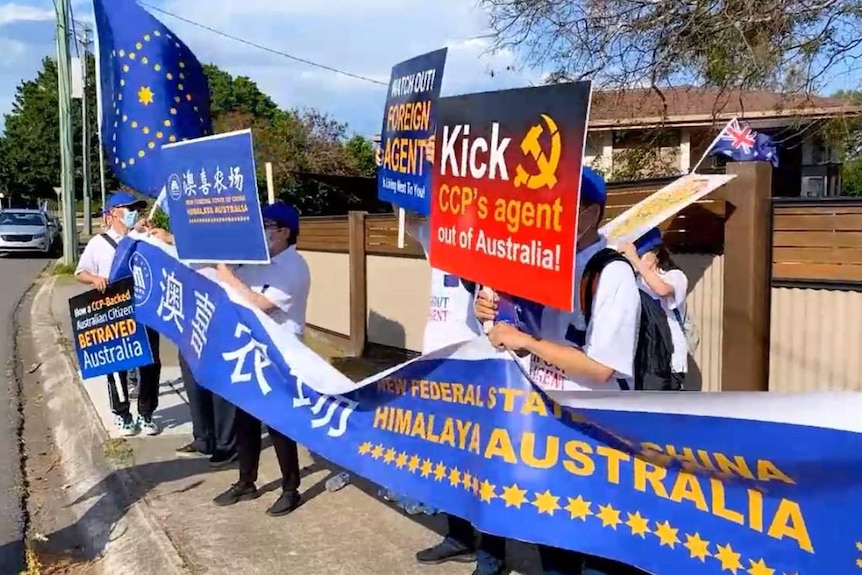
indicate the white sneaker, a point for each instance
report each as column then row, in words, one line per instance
column 148, row 426
column 126, row 424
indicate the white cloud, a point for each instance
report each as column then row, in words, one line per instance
column 12, row 12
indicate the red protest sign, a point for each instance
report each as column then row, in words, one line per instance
column 507, row 173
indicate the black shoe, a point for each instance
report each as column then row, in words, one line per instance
column 448, row 550
column 479, row 571
column 192, row 449
column 287, row 502
column 239, row 491
column 222, row 458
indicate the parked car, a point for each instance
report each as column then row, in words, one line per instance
column 27, row 231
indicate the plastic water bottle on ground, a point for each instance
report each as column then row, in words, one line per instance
column 385, row 494
column 333, row 484
column 412, row 507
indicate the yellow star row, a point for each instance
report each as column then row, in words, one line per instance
column 578, row 508
column 221, row 220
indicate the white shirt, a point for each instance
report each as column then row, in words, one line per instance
column 98, row 255
column 286, row 282
column 611, row 337
column 671, row 305
column 451, row 317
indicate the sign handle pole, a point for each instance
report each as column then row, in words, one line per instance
column 270, row 186
column 401, row 226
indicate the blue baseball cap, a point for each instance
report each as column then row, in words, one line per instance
column 593, row 188
column 123, row 200
column 648, row 241
column 282, row 214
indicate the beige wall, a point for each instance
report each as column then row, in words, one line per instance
column 815, row 340
column 329, row 300
column 398, row 296
column 705, row 302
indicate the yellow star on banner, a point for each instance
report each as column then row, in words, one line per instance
column 377, row 452
column 610, row 517
column 454, row 477
column 728, row 558
column 487, row 491
column 426, row 468
column 146, row 96
column 697, row 547
column 467, row 480
column 546, row 502
column 578, row 508
column 475, row 487
column 390, row 455
column 666, row 534
column 414, row 464
column 638, row 524
column 514, row 496
column 365, row 448
column 439, row 472
column 759, row 568
column 401, row 461
column 859, row 546
column 859, row 563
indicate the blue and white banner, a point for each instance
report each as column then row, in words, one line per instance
column 740, row 483
column 210, row 191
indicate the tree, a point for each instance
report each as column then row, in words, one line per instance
column 237, row 95
column 847, row 134
column 29, row 146
column 361, row 152
column 792, row 46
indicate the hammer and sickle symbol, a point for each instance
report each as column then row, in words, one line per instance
column 547, row 164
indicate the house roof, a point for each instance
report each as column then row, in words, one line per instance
column 689, row 105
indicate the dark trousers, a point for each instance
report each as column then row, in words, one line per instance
column 248, row 443
column 461, row 531
column 213, row 418
column 148, row 384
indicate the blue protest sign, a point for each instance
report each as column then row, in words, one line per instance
column 212, row 198
column 107, row 337
column 404, row 177
column 672, row 483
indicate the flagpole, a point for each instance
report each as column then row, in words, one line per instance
column 712, row 145
column 98, row 60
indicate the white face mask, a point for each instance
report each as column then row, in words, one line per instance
column 129, row 218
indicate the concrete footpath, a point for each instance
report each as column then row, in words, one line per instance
column 151, row 512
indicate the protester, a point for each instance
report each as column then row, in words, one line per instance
column 280, row 289
column 660, row 277
column 576, row 354
column 94, row 267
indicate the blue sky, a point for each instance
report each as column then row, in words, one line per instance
column 363, row 37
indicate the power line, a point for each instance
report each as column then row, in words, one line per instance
column 265, row 48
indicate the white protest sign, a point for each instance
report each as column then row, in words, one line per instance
column 663, row 204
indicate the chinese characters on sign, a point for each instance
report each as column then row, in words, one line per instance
column 212, row 198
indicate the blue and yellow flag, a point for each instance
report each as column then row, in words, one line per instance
column 153, row 91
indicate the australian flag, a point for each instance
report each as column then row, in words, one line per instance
column 153, row 91
column 740, row 143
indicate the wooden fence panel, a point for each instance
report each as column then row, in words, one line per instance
column 324, row 234
column 817, row 241
column 381, row 238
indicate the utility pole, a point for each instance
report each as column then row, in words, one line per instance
column 67, row 158
column 85, row 130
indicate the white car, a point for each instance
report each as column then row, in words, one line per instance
column 26, row 231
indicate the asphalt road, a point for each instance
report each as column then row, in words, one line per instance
column 16, row 275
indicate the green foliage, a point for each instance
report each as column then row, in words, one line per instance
column 237, row 95
column 61, row 269
column 846, row 132
column 161, row 220
column 361, row 152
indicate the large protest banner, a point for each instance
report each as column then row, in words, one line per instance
column 211, row 187
column 107, row 337
column 507, row 177
column 404, row 178
column 691, row 483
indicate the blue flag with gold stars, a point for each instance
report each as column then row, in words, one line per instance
column 153, row 91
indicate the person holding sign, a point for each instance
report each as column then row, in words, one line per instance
column 576, row 350
column 279, row 289
column 121, row 213
column 662, row 280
